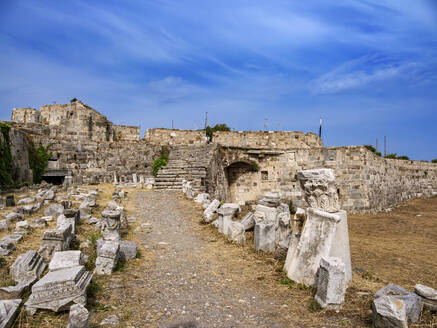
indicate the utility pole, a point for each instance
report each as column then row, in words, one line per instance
column 265, row 124
column 385, row 146
column 279, row 126
column 206, row 120
column 172, row 125
column 376, row 145
column 320, row 128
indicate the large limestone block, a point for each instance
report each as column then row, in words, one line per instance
column 54, row 210
column 8, row 312
column 201, row 198
column 314, row 244
column 265, row 214
column 107, row 257
column 264, row 237
column 209, row 214
column 428, row 295
column 331, row 283
column 413, row 303
column 59, row 289
column 55, row 240
column 248, row 221
column 128, row 249
column 320, row 190
column 78, row 317
column 389, row 312
column 283, row 226
column 110, row 226
column 270, row 199
column 66, row 259
column 235, row 231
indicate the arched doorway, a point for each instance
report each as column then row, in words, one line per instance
column 242, row 177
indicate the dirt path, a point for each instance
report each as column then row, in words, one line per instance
column 187, row 277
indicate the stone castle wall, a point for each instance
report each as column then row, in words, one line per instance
column 366, row 182
column 124, row 132
column 267, row 139
column 171, row 137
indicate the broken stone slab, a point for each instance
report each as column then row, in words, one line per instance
column 270, row 200
column 225, row 215
column 283, row 226
column 14, row 238
column 27, row 266
column 38, row 223
column 389, row 312
column 111, row 320
column 25, row 270
column 66, row 259
column 265, row 214
column 128, row 249
column 22, row 227
column 14, row 216
column 6, row 247
column 235, row 231
column 78, row 317
column 201, row 198
column 234, row 207
column 4, row 224
column 26, row 201
column 413, row 303
column 47, row 218
column 29, row 209
column 264, row 237
column 55, row 240
column 62, row 220
column 59, row 289
column 248, row 221
column 54, row 210
column 331, row 284
column 209, row 214
column 93, row 220
column 8, row 312
column 323, row 235
column 107, row 257
column 428, row 295
column 320, row 189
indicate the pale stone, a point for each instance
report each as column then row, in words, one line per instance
column 235, row 207
column 66, row 259
column 235, row 231
column 62, row 220
column 283, row 224
column 320, row 190
column 110, row 225
column 201, row 198
column 314, row 244
column 428, row 295
column 128, row 249
column 4, row 225
column 389, row 312
column 55, row 240
column 59, row 289
column 331, row 283
column 248, row 221
column 107, row 257
column 413, row 303
column 134, row 178
column 78, row 317
column 264, row 237
column 225, row 215
column 13, row 238
column 298, row 221
column 110, row 320
column 6, row 247
column 208, row 214
column 38, row 223
column 26, row 201
column 265, row 214
column 54, row 210
column 270, row 200
column 13, row 216
column 8, row 312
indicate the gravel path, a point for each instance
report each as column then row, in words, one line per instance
column 187, row 278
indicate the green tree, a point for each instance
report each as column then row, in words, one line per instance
column 73, row 100
column 38, row 161
column 434, row 160
column 218, row 127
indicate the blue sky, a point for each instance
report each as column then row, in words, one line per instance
column 367, row 67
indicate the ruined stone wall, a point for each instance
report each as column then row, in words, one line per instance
column 270, row 139
column 366, row 182
column 172, row 137
column 96, row 162
column 124, row 132
column 26, row 115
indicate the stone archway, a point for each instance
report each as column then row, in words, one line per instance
column 242, row 178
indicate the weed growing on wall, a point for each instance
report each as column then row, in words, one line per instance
column 160, row 161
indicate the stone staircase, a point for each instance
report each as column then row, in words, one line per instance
column 186, row 162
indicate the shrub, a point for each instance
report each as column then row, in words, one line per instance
column 38, row 161
column 73, row 100
column 434, row 160
column 373, row 150
column 218, row 127
column 394, row 156
column 5, row 156
column 160, row 161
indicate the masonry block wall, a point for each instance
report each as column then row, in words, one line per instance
column 171, row 137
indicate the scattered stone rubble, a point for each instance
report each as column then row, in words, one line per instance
column 428, row 296
column 25, row 270
column 78, row 317
column 8, row 312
